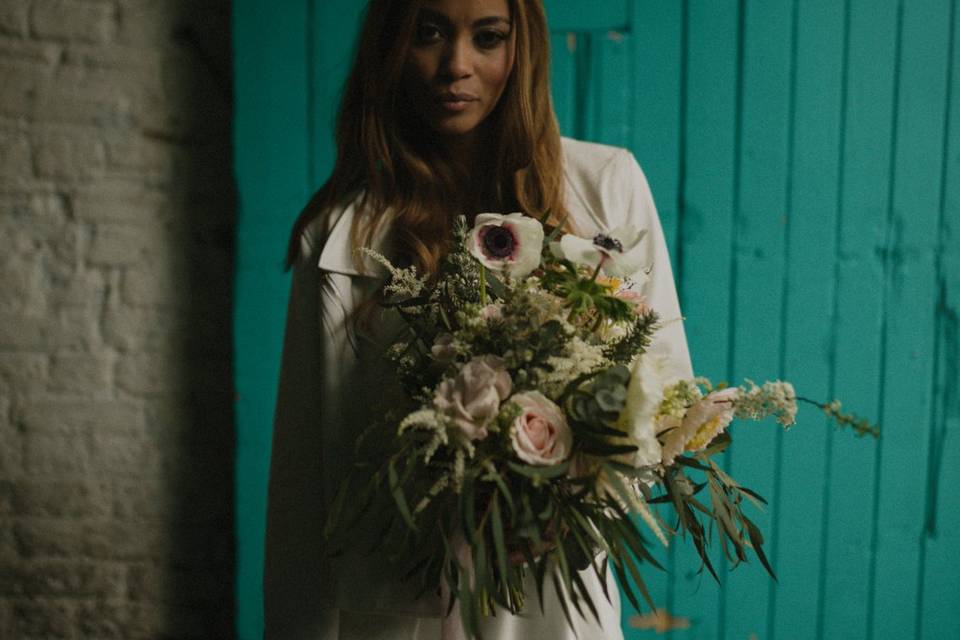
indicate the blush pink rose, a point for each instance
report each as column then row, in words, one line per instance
column 634, row 299
column 442, row 349
column 473, row 397
column 540, row 434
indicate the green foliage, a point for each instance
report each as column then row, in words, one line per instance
column 637, row 339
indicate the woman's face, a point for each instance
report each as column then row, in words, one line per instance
column 459, row 63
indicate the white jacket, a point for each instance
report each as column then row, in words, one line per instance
column 329, row 377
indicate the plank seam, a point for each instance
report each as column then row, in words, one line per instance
column 937, row 431
column 835, row 314
column 784, row 301
column 884, row 324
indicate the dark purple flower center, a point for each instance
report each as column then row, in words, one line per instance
column 498, row 242
column 606, row 242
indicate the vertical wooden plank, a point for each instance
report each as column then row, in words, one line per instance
column 609, row 112
column 270, row 75
column 759, row 275
column 709, row 153
column 654, row 92
column 941, row 598
column 911, row 300
column 576, row 15
column 563, row 79
column 797, row 505
column 654, row 51
column 332, row 42
column 871, row 53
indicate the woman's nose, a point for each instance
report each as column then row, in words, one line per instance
column 458, row 62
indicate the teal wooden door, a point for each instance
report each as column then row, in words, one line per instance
column 805, row 158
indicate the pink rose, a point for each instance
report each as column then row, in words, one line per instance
column 473, row 398
column 540, row 434
column 635, row 299
column 443, row 349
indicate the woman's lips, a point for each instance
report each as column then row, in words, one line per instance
column 456, row 101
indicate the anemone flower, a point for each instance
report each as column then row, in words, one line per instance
column 616, row 252
column 510, row 243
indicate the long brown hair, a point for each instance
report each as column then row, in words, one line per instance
column 384, row 164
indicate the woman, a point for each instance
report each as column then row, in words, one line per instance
column 446, row 111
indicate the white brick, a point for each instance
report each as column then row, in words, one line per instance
column 69, row 154
column 48, row 455
column 152, row 374
column 30, row 236
column 22, row 374
column 164, row 285
column 16, row 49
column 11, row 453
column 145, row 329
column 16, row 162
column 81, row 373
column 14, row 17
column 87, row 21
column 130, row 244
column 122, row 200
column 79, row 288
column 147, row 23
column 22, row 85
column 63, row 329
column 51, row 414
column 154, row 162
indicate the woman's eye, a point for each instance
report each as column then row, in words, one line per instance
column 490, row 39
column 427, row 33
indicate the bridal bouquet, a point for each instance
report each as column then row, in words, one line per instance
column 539, row 424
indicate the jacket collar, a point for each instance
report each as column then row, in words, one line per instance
column 338, row 254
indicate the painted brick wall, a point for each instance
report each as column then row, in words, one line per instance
column 116, row 224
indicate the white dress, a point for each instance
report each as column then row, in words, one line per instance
column 328, row 376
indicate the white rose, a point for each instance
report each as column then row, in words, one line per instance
column 473, row 397
column 540, row 434
column 617, row 252
column 511, row 243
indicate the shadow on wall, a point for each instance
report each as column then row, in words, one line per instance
column 202, row 525
column 118, row 211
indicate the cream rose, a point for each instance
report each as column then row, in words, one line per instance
column 540, row 434
column 473, row 397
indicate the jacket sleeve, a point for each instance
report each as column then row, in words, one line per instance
column 295, row 514
column 632, row 196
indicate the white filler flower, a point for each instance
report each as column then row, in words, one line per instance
column 617, row 252
column 511, row 243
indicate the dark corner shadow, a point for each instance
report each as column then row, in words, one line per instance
column 202, row 533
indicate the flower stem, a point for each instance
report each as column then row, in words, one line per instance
column 483, row 286
column 861, row 426
column 596, row 271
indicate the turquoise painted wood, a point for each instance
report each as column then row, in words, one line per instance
column 270, row 91
column 870, row 78
column 708, row 202
column 805, row 158
column 941, row 533
column 801, row 481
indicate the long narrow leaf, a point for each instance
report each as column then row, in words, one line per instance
column 397, row 491
column 499, row 546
